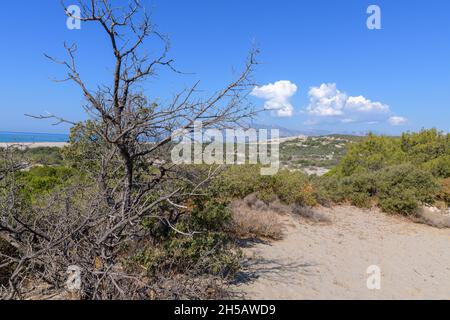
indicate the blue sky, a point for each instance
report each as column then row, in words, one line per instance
column 324, row 64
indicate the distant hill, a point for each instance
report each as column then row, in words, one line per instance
column 285, row 132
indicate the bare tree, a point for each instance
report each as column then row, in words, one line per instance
column 127, row 133
column 126, row 117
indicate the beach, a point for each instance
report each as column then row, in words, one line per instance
column 33, row 145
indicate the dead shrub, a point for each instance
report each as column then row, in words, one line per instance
column 444, row 194
column 279, row 207
column 187, row 287
column 249, row 222
column 254, row 202
column 312, row 214
column 432, row 217
column 6, row 269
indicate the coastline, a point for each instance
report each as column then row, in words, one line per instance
column 33, row 145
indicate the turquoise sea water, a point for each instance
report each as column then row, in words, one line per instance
column 16, row 137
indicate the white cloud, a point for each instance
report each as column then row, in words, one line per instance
column 397, row 121
column 332, row 105
column 277, row 96
column 326, row 101
column 361, row 104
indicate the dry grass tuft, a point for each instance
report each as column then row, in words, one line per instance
column 433, row 217
column 252, row 218
column 312, row 214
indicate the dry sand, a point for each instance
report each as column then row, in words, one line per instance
column 317, row 261
column 33, row 144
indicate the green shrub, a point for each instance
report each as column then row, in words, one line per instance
column 396, row 189
column 205, row 245
column 85, row 148
column 397, row 172
column 237, row 181
column 48, row 156
column 428, row 149
column 42, row 180
column 404, row 202
column 359, row 189
column 210, row 251
column 327, row 189
column 207, row 252
column 292, row 188
column 402, row 188
column 241, row 181
column 371, row 154
column 439, row 167
column 212, row 216
column 425, row 146
column 360, row 200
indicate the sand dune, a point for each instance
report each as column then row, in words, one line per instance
column 317, row 261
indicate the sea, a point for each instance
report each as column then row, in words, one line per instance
column 18, row 137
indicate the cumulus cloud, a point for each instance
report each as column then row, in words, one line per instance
column 326, row 101
column 361, row 104
column 329, row 103
column 277, row 96
column 397, row 121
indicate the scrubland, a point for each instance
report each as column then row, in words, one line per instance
column 200, row 249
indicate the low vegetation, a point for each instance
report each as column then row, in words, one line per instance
column 195, row 241
column 315, row 152
column 397, row 173
column 241, row 181
column 112, row 206
column 45, row 156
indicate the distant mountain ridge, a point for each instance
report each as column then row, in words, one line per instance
column 30, row 137
column 285, row 132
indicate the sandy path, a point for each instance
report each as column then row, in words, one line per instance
column 330, row 261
